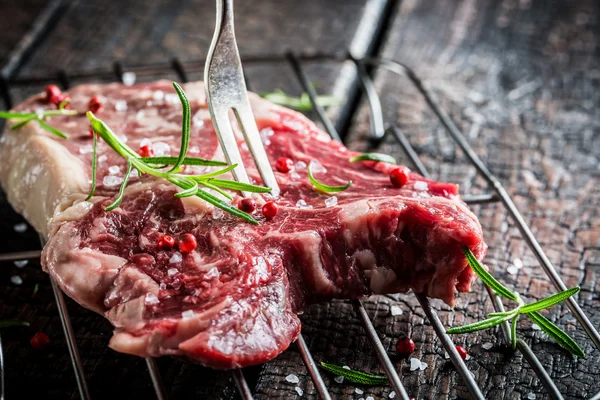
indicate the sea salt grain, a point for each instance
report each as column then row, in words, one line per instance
column 176, row 258
column 158, row 95
column 395, row 310
column 161, row 148
column 512, row 270
column 339, row 379
column 111, row 180
column 535, row 327
column 217, row 213
column 121, row 105
column 291, row 378
column 129, row 78
column 531, row 396
column 316, row 167
column 300, row 165
column 423, row 366
column 140, row 115
column 171, row 98
column 172, row 271
column 370, row 398
column 114, row 169
column 20, row 227
column 358, row 391
column 392, row 394
column 420, row 185
column 518, row 263
column 415, row 364
column 346, row 367
column 102, row 158
column 299, row 391
column 294, row 175
column 16, row 279
column 187, row 314
column 20, row 263
column 151, row 299
column 331, row 201
column 302, row 204
column 487, row 346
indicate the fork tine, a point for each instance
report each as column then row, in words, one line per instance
column 255, row 145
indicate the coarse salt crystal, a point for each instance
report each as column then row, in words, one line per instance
column 102, row 158
column 187, row 314
column 487, row 346
column 172, row 271
column 217, row 213
column 358, row 391
column 120, row 105
column 512, row 270
column 20, row 263
column 316, row 167
column 129, row 78
column 140, row 115
column 339, row 379
column 151, row 299
column 171, row 98
column 300, row 165
column 162, row 286
column 158, row 95
column 531, row 396
column 346, row 367
column 176, row 258
column 213, row 273
column 299, row 391
column 518, row 263
column 161, row 148
column 291, row 378
column 369, row 398
column 535, row 327
column 294, row 175
column 331, row 201
column 395, row 310
column 114, row 169
column 16, row 279
column 420, row 185
column 422, row 366
column 415, row 364
column 20, row 227
column 392, row 394
column 302, row 204
column 145, row 142
column 111, row 180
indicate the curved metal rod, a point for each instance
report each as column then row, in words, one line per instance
column 21, row 255
column 242, row 384
column 376, row 114
column 312, row 369
column 157, row 383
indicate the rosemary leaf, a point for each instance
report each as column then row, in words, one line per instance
column 225, row 206
column 213, row 174
column 487, row 278
column 216, row 189
column 301, row 103
column 119, row 198
column 94, row 165
column 110, row 138
column 374, row 157
column 549, row 301
column 233, row 185
column 513, row 331
column 500, row 314
column 560, row 336
column 323, row 187
column 185, row 127
column 52, row 129
column 16, row 115
column 167, row 160
column 191, row 191
column 359, row 377
column 9, row 323
column 479, row 325
column 23, row 122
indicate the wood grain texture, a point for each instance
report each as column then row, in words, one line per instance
column 525, row 72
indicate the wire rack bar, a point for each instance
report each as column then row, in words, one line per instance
column 2, row 387
column 21, row 255
column 242, row 384
column 377, row 128
column 157, row 383
column 312, row 369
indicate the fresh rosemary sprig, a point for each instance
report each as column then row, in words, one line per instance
column 374, row 157
column 301, row 103
column 353, row 376
column 323, row 187
column 9, row 323
column 530, row 310
column 189, row 183
column 40, row 117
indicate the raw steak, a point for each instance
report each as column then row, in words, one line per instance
column 234, row 300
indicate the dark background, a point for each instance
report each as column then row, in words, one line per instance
column 521, row 78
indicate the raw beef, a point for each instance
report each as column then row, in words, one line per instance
column 234, row 300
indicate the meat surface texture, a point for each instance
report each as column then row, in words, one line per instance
column 234, row 300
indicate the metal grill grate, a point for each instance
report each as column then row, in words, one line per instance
column 377, row 132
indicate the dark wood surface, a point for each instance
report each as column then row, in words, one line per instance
column 521, row 78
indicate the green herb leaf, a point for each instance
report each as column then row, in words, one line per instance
column 52, row 129
column 323, row 187
column 217, row 189
column 110, row 138
column 513, row 331
column 23, row 122
column 549, row 301
column 185, row 126
column 188, row 192
column 213, row 174
column 487, row 278
column 479, row 325
column 560, row 336
column 94, row 165
column 226, row 206
column 16, row 115
column 374, row 157
column 119, row 198
column 301, row 103
column 9, row 323
column 500, row 314
column 166, row 160
column 36, row 288
column 243, row 187
column 63, row 104
column 361, row 378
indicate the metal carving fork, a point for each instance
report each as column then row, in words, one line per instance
column 226, row 89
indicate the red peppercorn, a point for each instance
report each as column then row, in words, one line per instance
column 398, row 177
column 284, row 165
column 39, row 341
column 247, row 205
column 146, row 151
column 52, row 92
column 270, row 209
column 166, row 242
column 187, row 243
column 95, row 105
column 462, row 352
column 405, row 347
